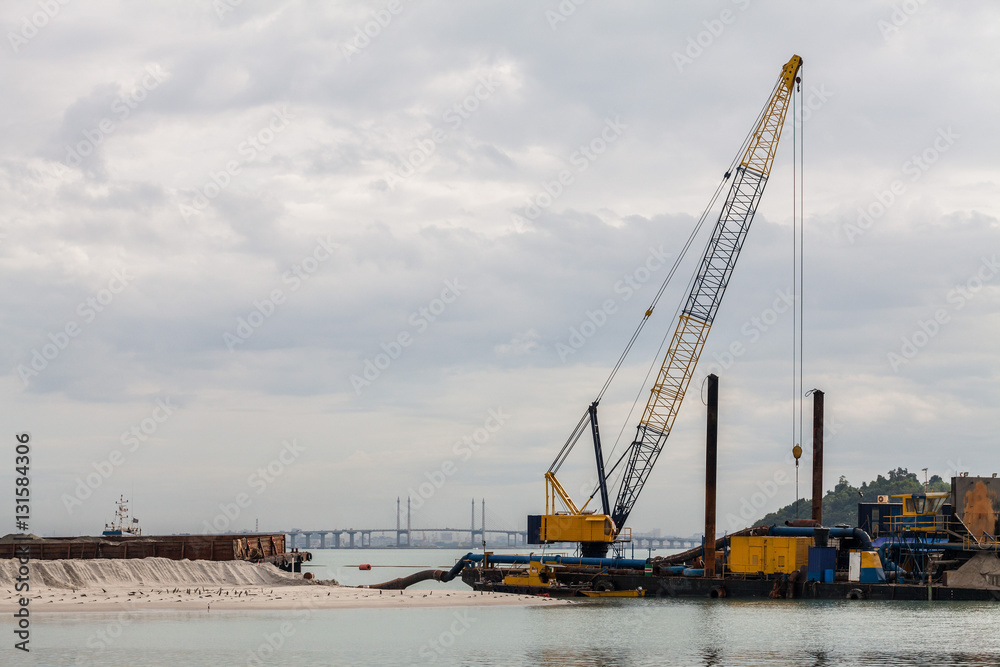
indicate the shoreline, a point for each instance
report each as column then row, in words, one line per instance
column 277, row 598
column 117, row 585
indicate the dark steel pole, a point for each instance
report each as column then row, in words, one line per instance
column 711, row 462
column 817, row 493
column 602, row 481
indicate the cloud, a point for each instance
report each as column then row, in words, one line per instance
column 386, row 232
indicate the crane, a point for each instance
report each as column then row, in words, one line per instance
column 597, row 531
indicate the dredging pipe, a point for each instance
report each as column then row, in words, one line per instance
column 863, row 538
column 415, row 578
column 471, row 559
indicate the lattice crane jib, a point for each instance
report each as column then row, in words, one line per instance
column 702, row 304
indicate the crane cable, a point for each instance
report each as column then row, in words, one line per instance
column 683, row 253
column 802, row 256
column 663, row 287
column 798, row 276
column 673, row 269
column 802, row 259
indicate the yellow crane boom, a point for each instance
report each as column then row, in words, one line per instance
column 596, row 531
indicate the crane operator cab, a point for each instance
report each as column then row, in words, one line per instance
column 920, row 511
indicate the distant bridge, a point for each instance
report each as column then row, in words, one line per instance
column 477, row 536
column 361, row 538
column 666, row 542
column 511, row 538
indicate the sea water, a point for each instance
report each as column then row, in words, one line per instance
column 599, row 632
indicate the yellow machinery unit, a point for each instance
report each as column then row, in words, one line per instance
column 536, row 575
column 574, row 524
column 770, row 555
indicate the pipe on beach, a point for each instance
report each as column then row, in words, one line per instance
column 424, row 575
column 407, row 581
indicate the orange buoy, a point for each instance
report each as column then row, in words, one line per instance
column 307, row 575
column 364, row 566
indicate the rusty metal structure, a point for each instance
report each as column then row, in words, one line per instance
column 255, row 548
column 711, row 465
column 817, row 488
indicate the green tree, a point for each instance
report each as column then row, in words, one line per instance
column 841, row 504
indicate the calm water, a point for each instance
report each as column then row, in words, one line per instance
column 624, row 632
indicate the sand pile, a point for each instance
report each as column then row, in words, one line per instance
column 106, row 585
column 981, row 571
column 74, row 574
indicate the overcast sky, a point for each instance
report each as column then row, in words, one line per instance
column 330, row 239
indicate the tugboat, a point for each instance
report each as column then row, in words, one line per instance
column 124, row 525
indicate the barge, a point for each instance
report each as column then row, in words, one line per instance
column 915, row 546
column 255, row 548
column 922, row 546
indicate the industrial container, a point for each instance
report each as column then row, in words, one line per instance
column 770, row 555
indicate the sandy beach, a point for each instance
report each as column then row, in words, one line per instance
column 158, row 583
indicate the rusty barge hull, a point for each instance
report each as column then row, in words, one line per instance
column 264, row 547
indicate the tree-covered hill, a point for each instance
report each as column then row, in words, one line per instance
column 841, row 504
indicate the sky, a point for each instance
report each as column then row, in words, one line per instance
column 276, row 264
